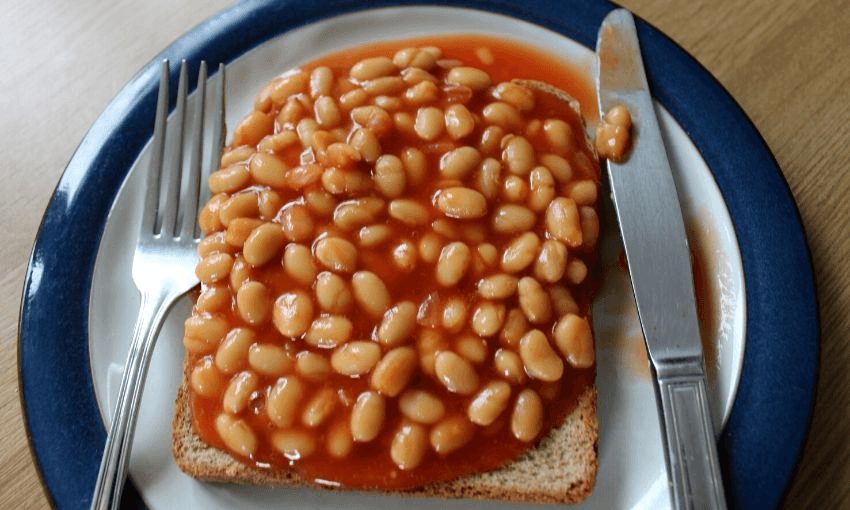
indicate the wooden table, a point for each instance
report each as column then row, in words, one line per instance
column 786, row 62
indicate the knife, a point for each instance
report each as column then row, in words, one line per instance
column 658, row 257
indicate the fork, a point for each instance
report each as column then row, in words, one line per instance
column 165, row 256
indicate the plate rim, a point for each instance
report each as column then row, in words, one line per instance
column 671, row 71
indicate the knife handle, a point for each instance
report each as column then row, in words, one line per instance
column 692, row 464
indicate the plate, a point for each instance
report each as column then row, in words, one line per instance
column 77, row 317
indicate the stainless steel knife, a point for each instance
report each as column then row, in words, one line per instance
column 653, row 234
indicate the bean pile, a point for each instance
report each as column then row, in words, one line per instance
column 396, row 261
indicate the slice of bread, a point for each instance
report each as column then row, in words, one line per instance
column 561, row 468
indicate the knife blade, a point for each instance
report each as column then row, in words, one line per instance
column 653, row 234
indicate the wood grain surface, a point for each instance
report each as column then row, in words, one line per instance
column 786, row 62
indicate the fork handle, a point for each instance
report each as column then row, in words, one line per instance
column 119, row 439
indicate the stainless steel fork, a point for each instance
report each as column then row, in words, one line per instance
column 165, row 256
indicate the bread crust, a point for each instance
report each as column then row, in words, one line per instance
column 561, row 468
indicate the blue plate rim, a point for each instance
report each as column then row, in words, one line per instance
column 772, row 410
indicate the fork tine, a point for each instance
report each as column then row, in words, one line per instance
column 149, row 219
column 189, row 201
column 218, row 130
column 172, row 167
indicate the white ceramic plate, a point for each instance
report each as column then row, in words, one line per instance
column 632, row 473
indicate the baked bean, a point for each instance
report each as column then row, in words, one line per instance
column 576, row 271
column 236, row 155
column 422, row 93
column 415, row 75
column 430, row 246
column 353, row 98
column 332, row 293
column 541, row 188
column 408, row 211
column 296, row 222
column 254, row 303
column 520, row 252
column 240, row 273
column 319, row 408
column 269, row 360
column 424, row 58
column 460, row 162
column 291, row 113
column 462, row 203
column 518, row 155
column 421, row 406
column 236, row 434
column 238, row 393
column 503, row 115
column 451, row 434
column 488, row 318
column 282, row 87
column 390, row 179
column 540, row 360
column 269, row 203
column 338, row 440
column 239, row 229
column 589, row 226
column 367, row 416
column 208, row 218
column 471, row 77
column 491, row 140
column 305, row 175
column 513, row 218
column 371, row 236
column 202, row 333
column 213, row 299
column 294, row 444
column 583, row 192
column 252, row 128
column 515, row 326
column 355, row 213
column 404, row 123
column 429, row 343
column 527, row 416
column 415, row 165
column 366, row 143
column 347, row 182
column 327, row 112
column 232, row 354
column 321, row 81
column 509, row 365
column 389, row 103
column 229, row 179
column 534, row 300
column 319, row 201
column 293, row 313
column 515, row 189
column 459, row 121
column 472, row 348
column 489, row 403
column 371, row 293
column 446, row 228
column 563, row 222
column 499, row 286
column 563, row 301
column 373, row 118
column 487, row 179
column 398, row 324
column 305, row 128
column 336, row 253
column 277, row 142
column 214, row 267
column 561, row 169
column 312, row 366
column 371, row 68
column 356, row 358
column 551, row 262
column 455, row 314
column 386, row 85
column 409, row 446
column 575, row 340
column 453, row 263
column 214, row 243
column 455, row 373
column 429, row 123
column 329, row 331
column 488, row 253
column 299, row 264
column 268, row 170
column 206, row 379
column 394, row 371
column 516, row 95
column 263, row 244
column 559, row 134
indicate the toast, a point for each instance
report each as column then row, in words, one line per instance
column 561, row 468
